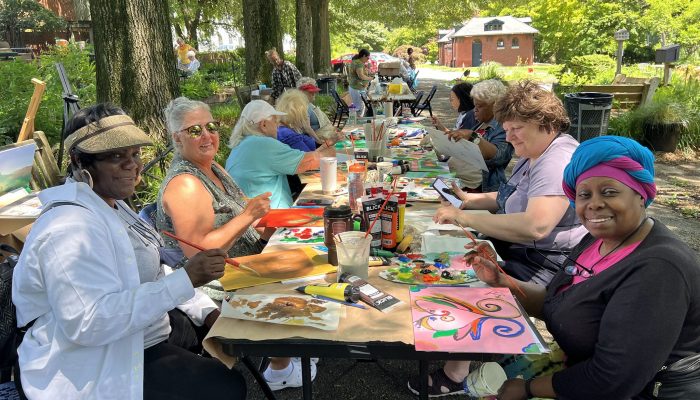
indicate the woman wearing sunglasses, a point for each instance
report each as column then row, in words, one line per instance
column 91, row 283
column 198, row 200
column 626, row 305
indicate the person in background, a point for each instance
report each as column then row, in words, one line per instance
column 358, row 80
column 532, row 226
column 411, row 61
column 198, row 201
column 487, row 134
column 259, row 162
column 626, row 303
column 91, row 283
column 182, row 49
column 284, row 73
column 193, row 66
column 318, row 120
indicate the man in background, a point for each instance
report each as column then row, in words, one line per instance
column 284, row 73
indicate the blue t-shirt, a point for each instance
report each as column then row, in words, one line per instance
column 295, row 140
column 261, row 164
column 313, row 119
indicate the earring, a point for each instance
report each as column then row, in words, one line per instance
column 85, row 177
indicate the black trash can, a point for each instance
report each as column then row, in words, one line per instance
column 326, row 84
column 589, row 113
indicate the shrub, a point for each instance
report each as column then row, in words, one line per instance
column 592, row 69
column 402, row 52
column 490, row 70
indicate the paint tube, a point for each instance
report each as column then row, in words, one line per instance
column 338, row 291
column 390, row 219
column 370, row 208
column 375, row 261
column 371, row 295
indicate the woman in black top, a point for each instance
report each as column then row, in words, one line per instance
column 627, row 301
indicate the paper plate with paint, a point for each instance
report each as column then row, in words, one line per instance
column 284, row 309
column 451, row 271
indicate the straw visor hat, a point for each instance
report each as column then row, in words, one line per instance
column 110, row 133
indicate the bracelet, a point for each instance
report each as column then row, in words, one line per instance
column 528, row 390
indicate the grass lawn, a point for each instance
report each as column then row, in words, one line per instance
column 538, row 72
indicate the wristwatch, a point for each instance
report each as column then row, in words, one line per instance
column 475, row 138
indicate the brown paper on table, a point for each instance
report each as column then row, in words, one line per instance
column 276, row 266
column 359, row 326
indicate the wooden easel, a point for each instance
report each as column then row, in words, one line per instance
column 28, row 124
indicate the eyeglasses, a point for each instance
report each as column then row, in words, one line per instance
column 196, row 131
column 575, row 269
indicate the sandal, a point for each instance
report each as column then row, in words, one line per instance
column 438, row 386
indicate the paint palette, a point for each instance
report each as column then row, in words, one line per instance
column 418, row 272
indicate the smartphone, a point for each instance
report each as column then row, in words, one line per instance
column 446, row 192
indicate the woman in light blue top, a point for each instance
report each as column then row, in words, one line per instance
column 260, row 163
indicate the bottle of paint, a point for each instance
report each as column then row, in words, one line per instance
column 335, row 220
column 356, row 185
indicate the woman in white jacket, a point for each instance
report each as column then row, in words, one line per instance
column 90, row 280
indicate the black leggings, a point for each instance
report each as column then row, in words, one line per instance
column 173, row 373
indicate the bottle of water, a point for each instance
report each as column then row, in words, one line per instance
column 356, row 185
column 352, row 117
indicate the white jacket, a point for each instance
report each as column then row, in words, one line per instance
column 77, row 276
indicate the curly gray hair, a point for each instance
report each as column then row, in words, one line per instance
column 488, row 91
column 305, row 81
column 176, row 111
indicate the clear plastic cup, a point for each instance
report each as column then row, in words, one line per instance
column 353, row 253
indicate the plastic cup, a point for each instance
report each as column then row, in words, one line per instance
column 384, row 168
column 388, row 109
column 329, row 173
column 485, row 380
column 352, row 248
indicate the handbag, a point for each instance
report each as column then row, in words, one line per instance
column 680, row 380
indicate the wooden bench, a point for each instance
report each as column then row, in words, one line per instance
column 627, row 92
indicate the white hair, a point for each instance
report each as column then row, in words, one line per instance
column 243, row 128
column 488, row 91
column 190, row 53
column 305, row 81
column 176, row 111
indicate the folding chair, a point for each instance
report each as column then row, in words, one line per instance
column 341, row 108
column 418, row 109
column 419, row 95
column 369, row 111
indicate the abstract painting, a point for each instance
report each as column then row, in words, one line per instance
column 285, row 309
column 302, row 235
column 471, row 320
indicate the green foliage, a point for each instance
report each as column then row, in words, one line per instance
column 433, row 51
column 490, row 70
column 198, row 86
column 19, row 15
column 15, row 79
column 590, row 69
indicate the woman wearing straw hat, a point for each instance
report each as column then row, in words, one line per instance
column 260, row 163
column 626, row 302
column 91, row 282
column 198, row 200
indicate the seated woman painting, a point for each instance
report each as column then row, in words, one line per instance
column 91, row 280
column 483, row 129
column 295, row 126
column 198, row 200
column 599, row 307
column 260, row 163
column 318, row 120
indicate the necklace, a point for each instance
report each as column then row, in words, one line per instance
column 578, row 269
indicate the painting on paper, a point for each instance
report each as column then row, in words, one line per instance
column 276, row 266
column 297, row 310
column 304, row 235
column 292, row 218
column 471, row 320
column 16, row 167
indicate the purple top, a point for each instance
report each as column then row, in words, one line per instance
column 544, row 179
column 295, row 140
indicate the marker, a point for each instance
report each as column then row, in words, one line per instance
column 316, row 296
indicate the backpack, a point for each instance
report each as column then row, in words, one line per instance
column 8, row 316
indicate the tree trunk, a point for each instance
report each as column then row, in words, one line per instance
column 262, row 30
column 305, row 36
column 134, row 58
column 322, row 37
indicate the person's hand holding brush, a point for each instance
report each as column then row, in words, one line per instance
column 205, row 266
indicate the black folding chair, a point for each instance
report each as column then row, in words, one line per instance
column 341, row 108
column 419, row 95
column 418, row 109
column 369, row 111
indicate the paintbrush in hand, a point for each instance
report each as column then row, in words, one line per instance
column 200, row 248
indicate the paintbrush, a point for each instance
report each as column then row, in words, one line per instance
column 473, row 239
column 200, row 248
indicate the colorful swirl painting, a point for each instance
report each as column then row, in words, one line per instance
column 471, row 320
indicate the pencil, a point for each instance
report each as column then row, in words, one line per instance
column 200, row 248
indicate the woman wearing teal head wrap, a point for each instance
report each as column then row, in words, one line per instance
column 627, row 301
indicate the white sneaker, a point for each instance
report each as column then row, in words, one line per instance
column 294, row 378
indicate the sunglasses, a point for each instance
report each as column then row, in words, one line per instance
column 196, row 131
